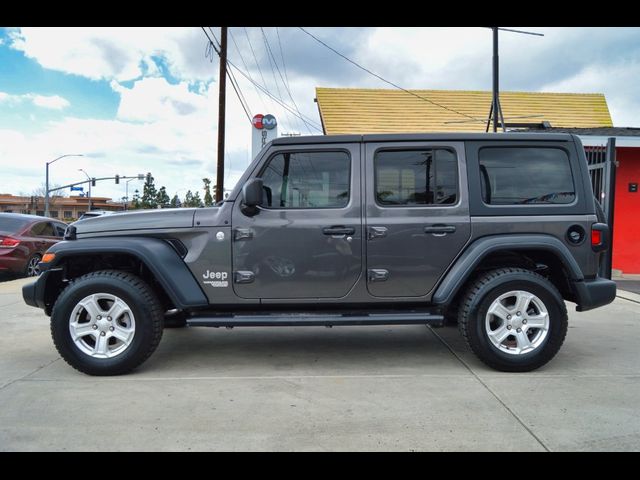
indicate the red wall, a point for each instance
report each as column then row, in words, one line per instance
column 626, row 223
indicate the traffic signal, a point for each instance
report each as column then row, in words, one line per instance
column 149, row 177
column 93, row 182
column 117, row 179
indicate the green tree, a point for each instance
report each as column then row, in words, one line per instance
column 208, row 199
column 162, row 198
column 149, row 194
column 188, row 199
column 175, row 202
column 135, row 203
column 197, row 202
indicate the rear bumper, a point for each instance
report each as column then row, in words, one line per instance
column 594, row 293
column 33, row 293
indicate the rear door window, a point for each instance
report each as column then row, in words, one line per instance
column 525, row 176
column 42, row 229
column 416, row 177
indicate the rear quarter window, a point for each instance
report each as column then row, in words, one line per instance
column 525, row 176
column 12, row 225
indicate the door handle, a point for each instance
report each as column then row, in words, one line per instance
column 439, row 229
column 338, row 230
column 377, row 232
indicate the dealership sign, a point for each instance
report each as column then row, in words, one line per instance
column 264, row 130
column 268, row 122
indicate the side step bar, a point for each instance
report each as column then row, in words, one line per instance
column 288, row 319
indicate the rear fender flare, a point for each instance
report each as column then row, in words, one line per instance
column 465, row 265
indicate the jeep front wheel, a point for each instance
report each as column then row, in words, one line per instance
column 513, row 319
column 106, row 323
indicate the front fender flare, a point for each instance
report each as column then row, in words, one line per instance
column 158, row 256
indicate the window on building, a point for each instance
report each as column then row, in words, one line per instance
column 307, row 180
column 8, row 211
column 54, row 213
column 67, row 214
column 40, row 213
column 525, row 175
column 416, row 177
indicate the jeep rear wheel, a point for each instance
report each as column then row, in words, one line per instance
column 513, row 319
column 106, row 323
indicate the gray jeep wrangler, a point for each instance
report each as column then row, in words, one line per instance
column 493, row 232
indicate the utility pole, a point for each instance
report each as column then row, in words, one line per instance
column 221, row 113
column 496, row 83
column 496, row 108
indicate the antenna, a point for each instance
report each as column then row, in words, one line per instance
column 496, row 108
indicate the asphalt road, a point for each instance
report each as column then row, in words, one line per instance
column 312, row 388
column 629, row 285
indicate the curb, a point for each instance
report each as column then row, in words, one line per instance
column 632, row 297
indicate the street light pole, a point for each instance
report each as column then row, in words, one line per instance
column 81, row 170
column 126, row 205
column 46, row 182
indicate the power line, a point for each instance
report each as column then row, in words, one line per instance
column 233, row 39
column 255, row 58
column 234, row 83
column 284, row 66
column 384, row 79
column 264, row 90
column 236, row 88
column 285, row 84
column 273, row 72
column 280, row 102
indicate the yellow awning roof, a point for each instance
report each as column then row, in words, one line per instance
column 361, row 110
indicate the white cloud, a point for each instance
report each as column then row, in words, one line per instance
column 55, row 102
column 153, row 99
column 170, row 127
column 122, row 54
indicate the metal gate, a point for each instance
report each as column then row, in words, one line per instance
column 602, row 169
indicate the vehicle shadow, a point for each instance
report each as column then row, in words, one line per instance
column 304, row 350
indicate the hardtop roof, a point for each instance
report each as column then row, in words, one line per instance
column 427, row 137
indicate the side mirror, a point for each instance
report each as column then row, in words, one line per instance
column 252, row 196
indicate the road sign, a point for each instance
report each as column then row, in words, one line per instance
column 79, row 189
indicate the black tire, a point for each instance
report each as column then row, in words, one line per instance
column 143, row 303
column 476, row 302
column 31, row 270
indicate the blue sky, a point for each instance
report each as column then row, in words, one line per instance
column 134, row 100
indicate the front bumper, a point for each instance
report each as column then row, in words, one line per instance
column 594, row 293
column 33, row 293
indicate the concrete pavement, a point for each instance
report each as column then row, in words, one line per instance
column 312, row 388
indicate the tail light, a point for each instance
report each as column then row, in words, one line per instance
column 8, row 242
column 599, row 237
